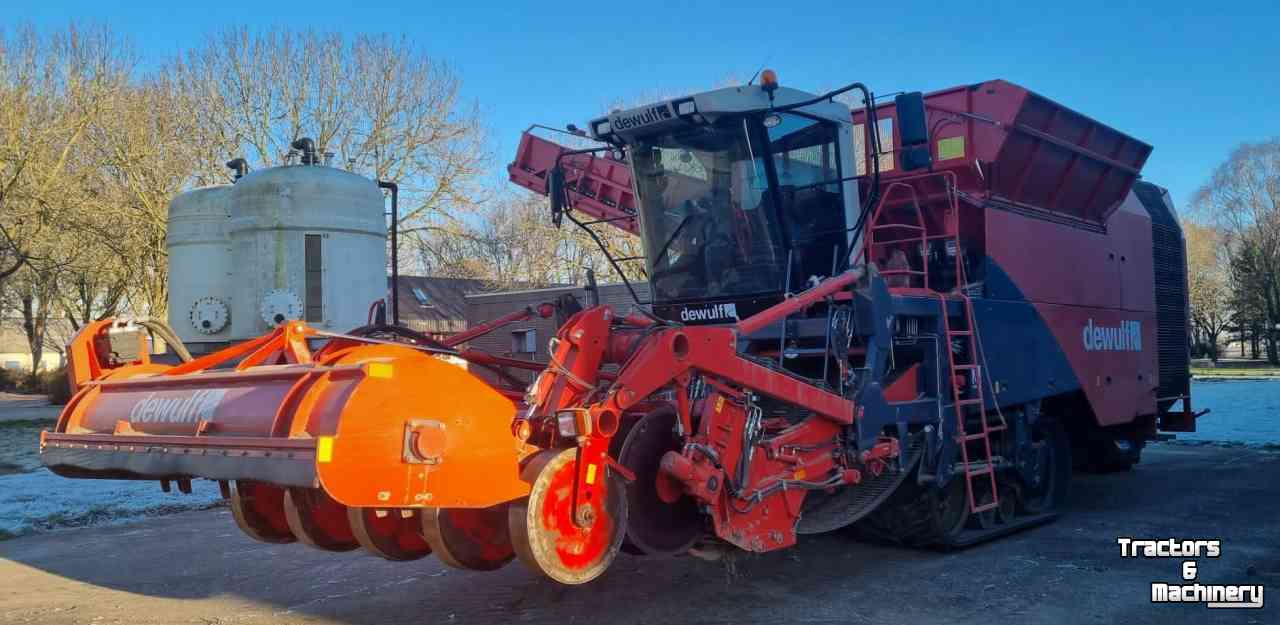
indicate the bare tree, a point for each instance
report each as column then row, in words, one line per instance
column 513, row 244
column 1208, row 285
column 52, row 88
column 1243, row 199
column 381, row 105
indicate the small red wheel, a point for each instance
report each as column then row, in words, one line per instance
column 317, row 520
column 390, row 534
column 259, row 511
column 543, row 527
column 465, row 538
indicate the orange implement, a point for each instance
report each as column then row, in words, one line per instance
column 374, row 425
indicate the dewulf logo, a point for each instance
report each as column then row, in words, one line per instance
column 641, row 117
column 710, row 313
column 199, row 406
column 1126, row 337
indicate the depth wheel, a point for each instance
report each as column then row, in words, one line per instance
column 259, row 511
column 474, row 539
column 389, row 534
column 317, row 520
column 543, row 530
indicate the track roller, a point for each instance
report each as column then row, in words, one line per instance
column 471, row 539
column 543, row 530
column 389, row 534
column 317, row 520
column 259, row 511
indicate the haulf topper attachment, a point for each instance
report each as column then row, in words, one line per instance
column 845, row 330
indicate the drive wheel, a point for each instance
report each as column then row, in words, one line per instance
column 952, row 511
column 389, row 534
column 317, row 520
column 259, row 511
column 473, row 539
column 543, row 529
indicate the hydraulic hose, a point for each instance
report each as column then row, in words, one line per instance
column 166, row 334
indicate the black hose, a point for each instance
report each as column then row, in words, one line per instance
column 607, row 255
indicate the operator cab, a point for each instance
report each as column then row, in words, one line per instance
column 740, row 198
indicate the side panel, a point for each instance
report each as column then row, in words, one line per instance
column 1024, row 359
column 1113, row 355
column 1094, row 292
column 1052, row 263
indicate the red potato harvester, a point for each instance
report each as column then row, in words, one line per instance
column 847, row 329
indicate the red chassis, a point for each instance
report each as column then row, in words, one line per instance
column 748, row 473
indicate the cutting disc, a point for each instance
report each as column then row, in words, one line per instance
column 654, row 526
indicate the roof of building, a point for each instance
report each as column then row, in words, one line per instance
column 436, row 305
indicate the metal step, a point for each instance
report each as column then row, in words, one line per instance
column 975, row 536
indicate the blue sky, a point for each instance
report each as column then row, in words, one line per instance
column 1193, row 79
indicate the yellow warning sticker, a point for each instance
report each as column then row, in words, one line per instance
column 951, row 147
column 324, row 449
column 380, row 369
column 591, row 474
column 719, row 403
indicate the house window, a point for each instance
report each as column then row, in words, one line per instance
column 524, row 341
column 314, row 278
column 421, row 296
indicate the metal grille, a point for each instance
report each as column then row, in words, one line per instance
column 1171, row 293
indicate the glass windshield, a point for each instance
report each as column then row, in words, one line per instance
column 807, row 166
column 709, row 226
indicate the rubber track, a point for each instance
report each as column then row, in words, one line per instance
column 911, row 519
column 828, row 513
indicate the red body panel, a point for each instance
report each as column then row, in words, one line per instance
column 1033, row 152
column 1078, row 279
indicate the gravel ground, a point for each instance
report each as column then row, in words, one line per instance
column 196, row 567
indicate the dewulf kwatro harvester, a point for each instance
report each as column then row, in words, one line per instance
column 909, row 318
